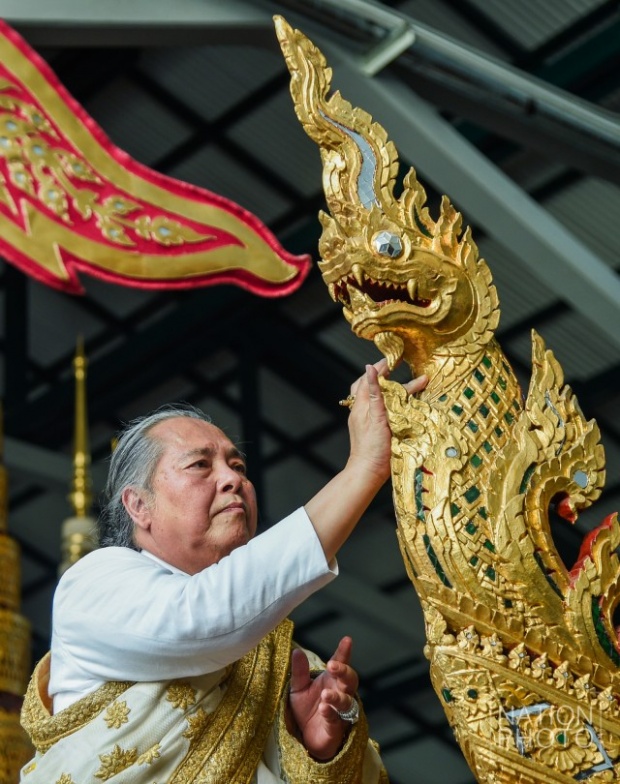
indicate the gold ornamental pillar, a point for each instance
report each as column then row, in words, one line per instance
column 79, row 532
column 15, row 748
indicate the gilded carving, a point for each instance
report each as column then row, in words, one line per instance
column 523, row 648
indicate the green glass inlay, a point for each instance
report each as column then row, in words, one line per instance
column 516, row 405
column 502, row 382
column 478, row 376
column 507, row 368
column 495, row 397
column 457, row 410
column 548, row 577
column 468, row 392
column 418, row 487
column 454, row 510
column 487, row 447
column 601, row 632
column 472, row 494
column 472, row 426
column 490, row 546
column 443, row 398
column 432, row 556
column 486, row 361
column 474, row 560
column 490, row 572
column 484, row 411
column 476, row 461
column 509, row 418
column 526, row 478
column 471, row 528
column 447, row 695
column 483, row 513
column 508, row 603
column 499, row 432
column 472, row 693
column 561, row 738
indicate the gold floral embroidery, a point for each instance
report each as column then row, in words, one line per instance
column 117, row 714
column 298, row 767
column 245, row 713
column 150, row 755
column 45, row 729
column 65, row 779
column 196, row 724
column 115, row 762
column 29, row 768
column 181, row 695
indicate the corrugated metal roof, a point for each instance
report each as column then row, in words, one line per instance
column 531, row 22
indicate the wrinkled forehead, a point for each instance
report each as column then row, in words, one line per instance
column 187, row 434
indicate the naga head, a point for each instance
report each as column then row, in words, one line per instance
column 413, row 285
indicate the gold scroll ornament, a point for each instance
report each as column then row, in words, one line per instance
column 523, row 650
column 71, row 201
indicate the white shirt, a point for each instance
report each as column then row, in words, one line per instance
column 122, row 615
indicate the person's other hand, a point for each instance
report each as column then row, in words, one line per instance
column 314, row 703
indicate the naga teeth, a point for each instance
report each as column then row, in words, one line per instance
column 412, row 289
column 331, row 287
column 358, row 299
column 358, row 274
column 347, row 314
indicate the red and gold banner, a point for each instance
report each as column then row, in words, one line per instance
column 71, row 201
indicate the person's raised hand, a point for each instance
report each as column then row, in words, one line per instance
column 314, row 703
column 369, row 430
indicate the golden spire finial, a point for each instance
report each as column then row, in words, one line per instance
column 78, row 532
column 80, row 495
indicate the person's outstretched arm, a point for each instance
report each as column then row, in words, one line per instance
column 337, row 508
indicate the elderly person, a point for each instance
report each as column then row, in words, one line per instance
column 171, row 656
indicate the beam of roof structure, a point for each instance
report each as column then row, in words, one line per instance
column 493, row 76
column 138, row 23
column 361, row 599
column 455, row 75
column 491, row 199
column 45, row 467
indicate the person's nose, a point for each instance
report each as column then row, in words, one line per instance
column 229, row 479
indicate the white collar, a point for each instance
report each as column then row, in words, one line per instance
column 173, row 569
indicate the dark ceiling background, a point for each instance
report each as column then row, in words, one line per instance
column 509, row 106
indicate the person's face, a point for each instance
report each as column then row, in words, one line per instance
column 201, row 505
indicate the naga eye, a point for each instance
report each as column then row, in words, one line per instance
column 387, row 244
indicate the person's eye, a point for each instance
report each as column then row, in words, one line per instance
column 240, row 467
column 200, row 464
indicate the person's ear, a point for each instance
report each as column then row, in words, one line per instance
column 135, row 502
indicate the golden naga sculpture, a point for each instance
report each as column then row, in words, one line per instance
column 524, row 654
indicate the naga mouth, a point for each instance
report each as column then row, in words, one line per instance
column 381, row 292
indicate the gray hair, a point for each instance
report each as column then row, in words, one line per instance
column 132, row 464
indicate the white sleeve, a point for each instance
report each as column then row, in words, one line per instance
column 119, row 615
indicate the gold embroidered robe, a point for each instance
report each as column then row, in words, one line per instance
column 212, row 729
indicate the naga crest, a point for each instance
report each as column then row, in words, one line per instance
column 523, row 648
column 409, row 283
